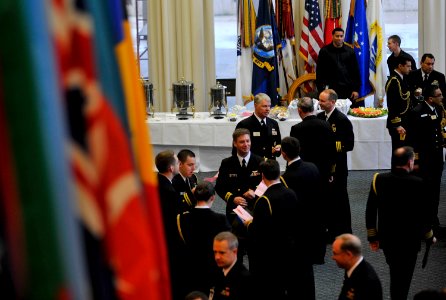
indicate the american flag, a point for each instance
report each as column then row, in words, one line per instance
column 312, row 37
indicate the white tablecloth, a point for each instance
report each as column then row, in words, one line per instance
column 211, row 139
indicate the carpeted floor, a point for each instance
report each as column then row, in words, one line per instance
column 329, row 277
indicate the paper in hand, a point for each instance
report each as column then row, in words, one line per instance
column 242, row 214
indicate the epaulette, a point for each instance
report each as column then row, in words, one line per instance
column 227, row 196
column 338, row 146
column 372, row 232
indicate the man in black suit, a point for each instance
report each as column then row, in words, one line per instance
column 317, row 144
column 275, row 256
column 425, row 135
column 394, row 45
column 233, row 280
column 167, row 165
column 340, row 216
column 238, row 178
column 397, row 219
column 361, row 281
column 399, row 102
column 423, row 77
column 185, row 181
column 197, row 228
column 265, row 132
column 304, row 179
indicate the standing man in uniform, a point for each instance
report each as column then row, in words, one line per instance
column 276, row 258
column 337, row 68
column 265, row 132
column 423, row 77
column 399, row 102
column 340, row 216
column 397, row 219
column 185, row 181
column 394, row 45
column 238, row 178
column 425, row 135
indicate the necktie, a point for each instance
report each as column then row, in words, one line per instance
column 425, row 77
column 435, row 111
column 244, row 163
column 326, row 117
column 188, row 183
column 262, row 123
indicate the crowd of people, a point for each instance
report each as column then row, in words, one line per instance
column 269, row 215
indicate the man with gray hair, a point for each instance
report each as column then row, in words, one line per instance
column 234, row 281
column 361, row 281
column 265, row 132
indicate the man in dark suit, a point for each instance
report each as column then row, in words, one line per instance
column 394, row 45
column 185, row 181
column 275, row 254
column 425, row 135
column 317, row 144
column 265, row 132
column 397, row 219
column 167, row 165
column 399, row 102
column 197, row 228
column 233, row 280
column 361, row 281
column 304, row 179
column 238, row 178
column 423, row 77
column 340, row 216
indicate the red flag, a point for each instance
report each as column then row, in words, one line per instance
column 333, row 15
column 312, row 39
column 110, row 197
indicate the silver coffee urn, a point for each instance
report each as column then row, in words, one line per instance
column 218, row 108
column 183, row 99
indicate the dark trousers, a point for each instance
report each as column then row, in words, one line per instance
column 401, row 263
column 398, row 141
column 339, row 215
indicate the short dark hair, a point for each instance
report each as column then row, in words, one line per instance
column 270, row 169
column 229, row 237
column 336, row 29
column 429, row 90
column 204, row 191
column 305, row 104
column 427, row 55
column 401, row 156
column 239, row 132
column 196, row 295
column 164, row 160
column 184, row 154
column 291, row 147
column 402, row 60
column 395, row 38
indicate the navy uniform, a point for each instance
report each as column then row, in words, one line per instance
column 317, row 144
column 197, row 228
column 363, row 284
column 425, row 135
column 184, row 188
column 236, row 285
column 345, row 139
column 275, row 255
column 397, row 217
column 263, row 139
column 416, row 80
column 399, row 104
column 233, row 181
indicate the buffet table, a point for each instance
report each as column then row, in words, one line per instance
column 211, row 139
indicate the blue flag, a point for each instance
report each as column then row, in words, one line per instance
column 358, row 38
column 264, row 58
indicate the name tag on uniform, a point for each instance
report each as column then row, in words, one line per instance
column 256, row 133
column 232, row 175
column 274, row 132
column 423, row 115
column 433, row 117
